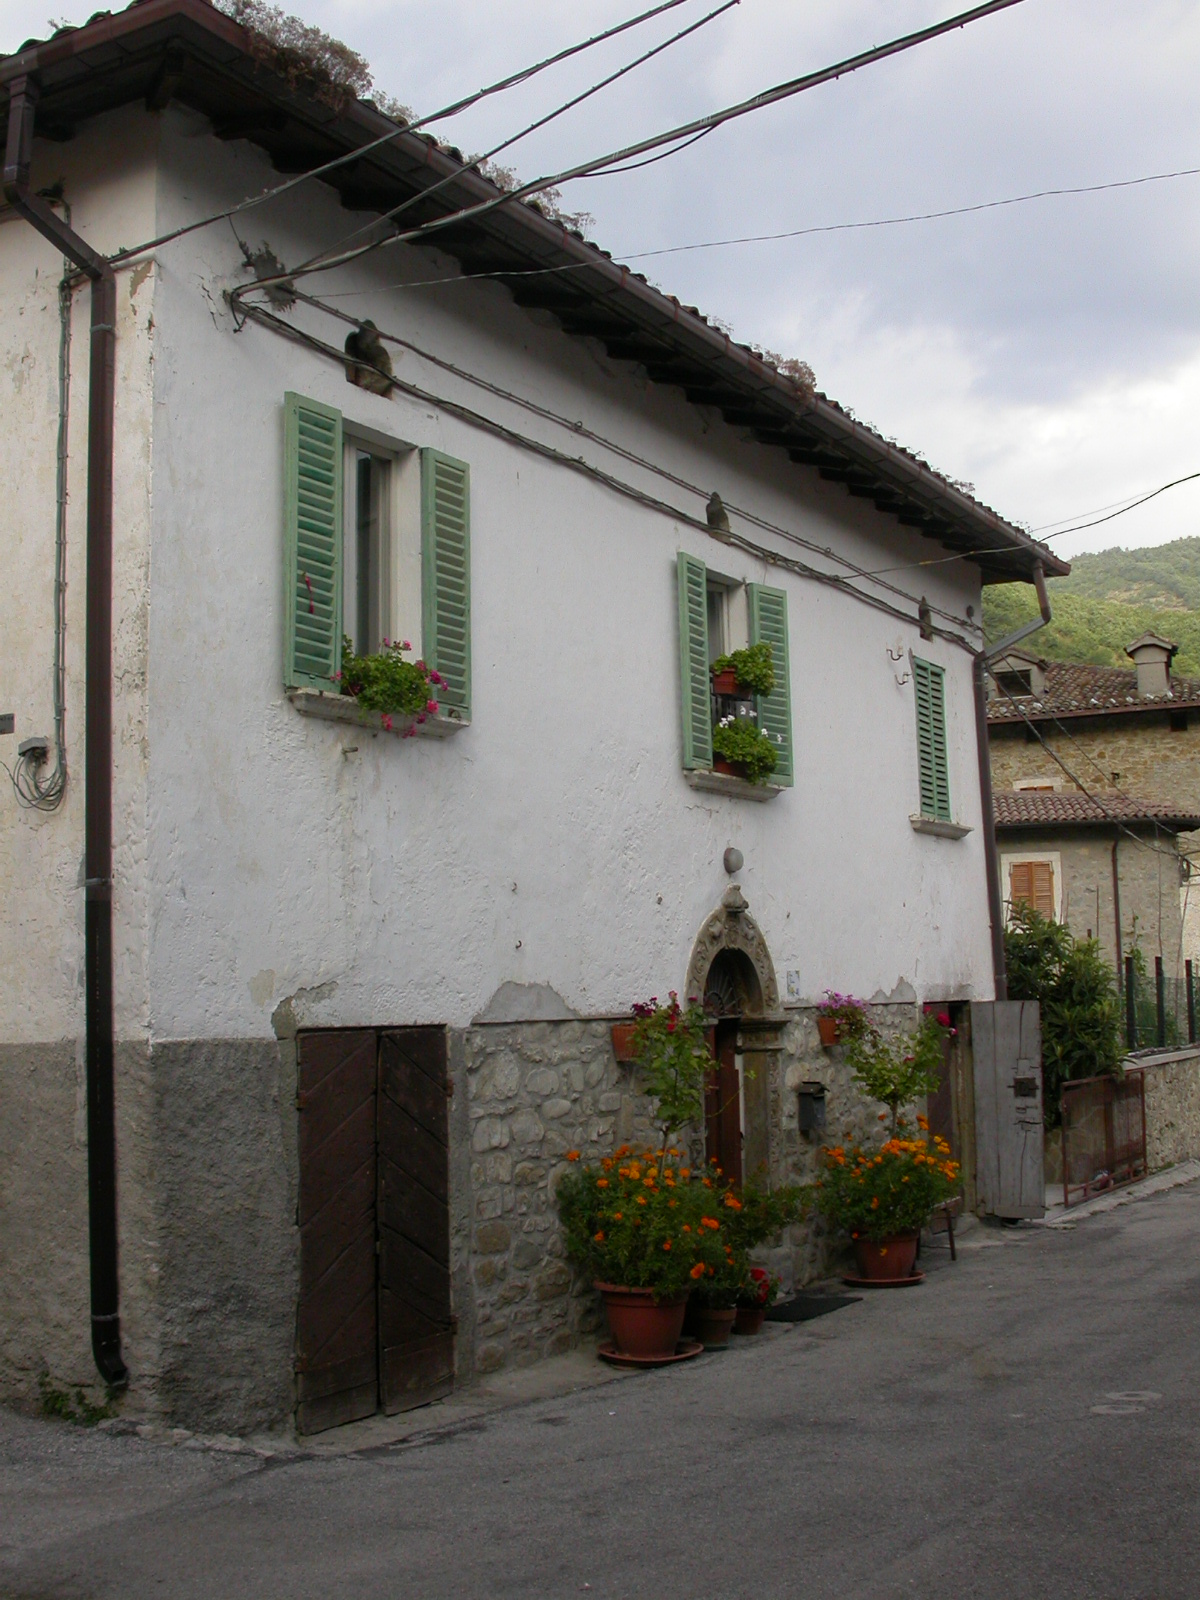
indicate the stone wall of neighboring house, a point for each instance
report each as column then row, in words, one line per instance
column 1140, row 754
column 1172, row 1107
column 1149, row 875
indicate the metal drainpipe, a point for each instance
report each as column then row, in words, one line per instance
column 98, row 951
column 991, row 849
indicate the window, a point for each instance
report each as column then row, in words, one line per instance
column 377, row 545
column 736, row 614
column 930, row 684
column 1033, row 881
column 1036, row 786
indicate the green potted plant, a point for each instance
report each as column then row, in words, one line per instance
column 639, row 1224
column 899, row 1071
column 742, row 749
column 744, row 672
column 883, row 1198
column 386, row 681
column 646, row 1233
column 841, row 1016
column 756, row 1293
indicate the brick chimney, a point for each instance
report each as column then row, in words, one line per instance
column 1152, row 656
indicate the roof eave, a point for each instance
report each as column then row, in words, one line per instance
column 749, row 391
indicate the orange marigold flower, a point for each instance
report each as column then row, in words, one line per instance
column 617, row 1215
column 599, row 1237
column 572, row 1155
column 732, row 1201
column 641, row 1199
column 707, row 1182
column 685, row 1172
column 687, row 1227
column 875, row 1203
column 923, row 1123
column 697, row 1271
column 666, row 1244
column 602, row 1183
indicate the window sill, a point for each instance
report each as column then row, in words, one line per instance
column 939, row 830
column 725, row 783
column 343, row 708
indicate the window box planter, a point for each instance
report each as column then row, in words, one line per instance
column 713, row 782
column 344, row 708
column 727, row 683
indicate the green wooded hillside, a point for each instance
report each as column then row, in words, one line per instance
column 1109, row 598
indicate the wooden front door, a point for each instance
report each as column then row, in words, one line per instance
column 416, row 1329
column 373, row 1322
column 722, row 1104
column 336, row 1325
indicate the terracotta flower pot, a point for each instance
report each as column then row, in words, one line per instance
column 622, row 1041
column 729, row 768
column 725, row 682
column 830, row 1030
column 715, row 1326
column 893, row 1257
column 639, row 1326
column 750, row 1319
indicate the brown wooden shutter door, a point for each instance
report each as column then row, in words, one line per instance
column 336, row 1329
column 722, row 1105
column 416, row 1329
column 1032, row 883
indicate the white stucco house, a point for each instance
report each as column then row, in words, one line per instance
column 361, row 983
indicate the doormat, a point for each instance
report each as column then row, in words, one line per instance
column 804, row 1307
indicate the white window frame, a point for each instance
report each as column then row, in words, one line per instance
column 399, row 600
column 1011, row 858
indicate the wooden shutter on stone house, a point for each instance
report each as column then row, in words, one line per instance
column 1031, row 883
column 312, row 654
column 693, row 661
column 446, row 575
column 929, row 682
column 769, row 625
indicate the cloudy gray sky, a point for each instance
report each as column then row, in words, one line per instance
column 1048, row 353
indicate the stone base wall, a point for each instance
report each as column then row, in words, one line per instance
column 1172, row 1108
column 207, row 1238
column 536, row 1090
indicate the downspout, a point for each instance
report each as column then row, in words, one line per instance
column 1116, row 877
column 98, row 950
column 983, row 660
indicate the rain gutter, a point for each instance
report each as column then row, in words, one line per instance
column 98, row 946
column 983, row 660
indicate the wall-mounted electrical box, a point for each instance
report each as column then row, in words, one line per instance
column 812, row 1108
column 8, row 722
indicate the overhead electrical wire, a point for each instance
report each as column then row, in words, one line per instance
column 259, row 314
column 917, row 216
column 441, row 115
column 550, row 116
column 672, row 136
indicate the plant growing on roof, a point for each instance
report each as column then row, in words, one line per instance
column 753, row 667
column 744, row 745
column 899, row 1071
column 386, row 681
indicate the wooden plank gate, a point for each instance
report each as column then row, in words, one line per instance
column 1006, row 1042
column 374, row 1324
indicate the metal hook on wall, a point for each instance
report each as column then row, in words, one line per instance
column 896, row 655
column 901, row 680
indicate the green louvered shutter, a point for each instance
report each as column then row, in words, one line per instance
column 769, row 625
column 312, row 651
column 446, row 575
column 693, row 661
column 930, row 683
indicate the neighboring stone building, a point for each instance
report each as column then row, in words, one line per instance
column 362, row 984
column 1122, row 732
column 1105, row 868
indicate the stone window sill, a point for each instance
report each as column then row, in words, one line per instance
column 939, row 830
column 343, row 708
column 725, row 783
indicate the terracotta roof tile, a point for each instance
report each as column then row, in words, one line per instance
column 1074, row 690
column 1035, row 808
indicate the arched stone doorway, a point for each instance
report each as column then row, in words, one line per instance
column 732, row 973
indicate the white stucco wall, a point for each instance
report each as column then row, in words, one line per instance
column 109, row 181
column 555, row 841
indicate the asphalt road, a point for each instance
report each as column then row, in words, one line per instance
column 1025, row 1424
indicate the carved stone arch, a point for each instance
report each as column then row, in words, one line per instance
column 731, row 927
